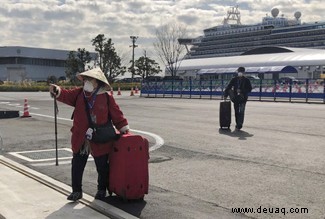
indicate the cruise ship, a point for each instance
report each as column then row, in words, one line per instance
column 233, row 38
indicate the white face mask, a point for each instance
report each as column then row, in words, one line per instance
column 88, row 86
column 240, row 74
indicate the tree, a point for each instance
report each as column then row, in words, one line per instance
column 51, row 79
column 71, row 66
column 85, row 58
column 169, row 51
column 76, row 62
column 108, row 60
column 144, row 66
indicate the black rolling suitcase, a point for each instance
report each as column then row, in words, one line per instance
column 225, row 114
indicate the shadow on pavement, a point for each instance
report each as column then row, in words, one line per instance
column 241, row 135
column 133, row 207
column 62, row 212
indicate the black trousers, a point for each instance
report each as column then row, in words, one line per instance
column 79, row 162
column 239, row 113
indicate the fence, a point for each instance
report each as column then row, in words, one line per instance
column 308, row 90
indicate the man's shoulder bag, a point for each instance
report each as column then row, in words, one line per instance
column 236, row 98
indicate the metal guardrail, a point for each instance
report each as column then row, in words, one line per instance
column 307, row 90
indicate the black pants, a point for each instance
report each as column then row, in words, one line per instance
column 79, row 162
column 239, row 113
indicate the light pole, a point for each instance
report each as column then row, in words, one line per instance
column 133, row 38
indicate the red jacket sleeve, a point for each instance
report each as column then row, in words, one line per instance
column 69, row 97
column 117, row 116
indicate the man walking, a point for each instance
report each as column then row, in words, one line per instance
column 238, row 89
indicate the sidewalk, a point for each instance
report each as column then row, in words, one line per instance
column 28, row 194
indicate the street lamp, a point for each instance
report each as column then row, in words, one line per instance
column 134, row 39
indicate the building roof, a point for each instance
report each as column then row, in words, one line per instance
column 293, row 57
column 264, row 69
column 29, row 52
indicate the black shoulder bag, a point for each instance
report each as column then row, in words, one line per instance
column 101, row 133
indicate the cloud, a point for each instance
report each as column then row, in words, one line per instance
column 72, row 24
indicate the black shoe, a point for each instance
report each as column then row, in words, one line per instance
column 74, row 196
column 101, row 194
column 238, row 127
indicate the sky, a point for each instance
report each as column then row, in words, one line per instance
column 72, row 24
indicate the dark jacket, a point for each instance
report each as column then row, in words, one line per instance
column 239, row 83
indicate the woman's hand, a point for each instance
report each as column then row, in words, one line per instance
column 54, row 90
column 126, row 132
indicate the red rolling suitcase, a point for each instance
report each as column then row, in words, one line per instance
column 225, row 114
column 129, row 171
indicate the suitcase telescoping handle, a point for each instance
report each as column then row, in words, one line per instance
column 224, row 99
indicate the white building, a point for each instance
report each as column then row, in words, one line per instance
column 25, row 63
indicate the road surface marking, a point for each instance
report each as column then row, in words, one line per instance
column 159, row 141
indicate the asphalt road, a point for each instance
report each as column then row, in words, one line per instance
column 275, row 165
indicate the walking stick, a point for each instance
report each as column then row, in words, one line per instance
column 56, row 110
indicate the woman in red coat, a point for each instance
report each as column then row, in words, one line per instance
column 102, row 107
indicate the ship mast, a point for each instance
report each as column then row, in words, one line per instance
column 232, row 14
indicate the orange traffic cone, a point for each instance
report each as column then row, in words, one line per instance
column 136, row 89
column 112, row 91
column 26, row 113
column 132, row 93
column 119, row 91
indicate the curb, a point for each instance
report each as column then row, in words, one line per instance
column 97, row 205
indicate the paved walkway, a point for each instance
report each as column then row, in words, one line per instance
column 30, row 195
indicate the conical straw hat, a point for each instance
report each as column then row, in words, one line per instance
column 94, row 73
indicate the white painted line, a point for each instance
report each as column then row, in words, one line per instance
column 44, row 162
column 52, row 117
column 60, row 163
column 159, row 140
column 21, row 156
column 67, row 149
column 18, row 105
column 51, row 164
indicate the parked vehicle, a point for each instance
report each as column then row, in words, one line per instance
column 62, row 78
column 153, row 78
column 172, row 78
column 129, row 80
column 252, row 77
column 288, row 80
column 320, row 81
